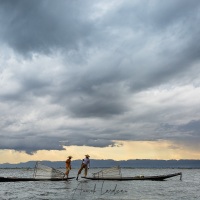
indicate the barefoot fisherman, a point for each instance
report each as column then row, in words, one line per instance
column 68, row 165
column 85, row 165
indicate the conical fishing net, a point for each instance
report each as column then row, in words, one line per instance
column 43, row 171
column 108, row 173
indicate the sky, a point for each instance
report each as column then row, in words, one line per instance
column 113, row 79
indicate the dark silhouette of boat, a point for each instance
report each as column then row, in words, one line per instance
column 114, row 174
column 18, row 179
column 136, row 178
column 41, row 173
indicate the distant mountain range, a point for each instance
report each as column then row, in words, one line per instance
column 194, row 164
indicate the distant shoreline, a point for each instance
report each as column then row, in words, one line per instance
column 132, row 164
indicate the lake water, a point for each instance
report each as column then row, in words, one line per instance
column 171, row 189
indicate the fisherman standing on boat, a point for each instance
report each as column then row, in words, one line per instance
column 85, row 165
column 68, row 165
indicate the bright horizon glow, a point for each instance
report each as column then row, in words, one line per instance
column 159, row 150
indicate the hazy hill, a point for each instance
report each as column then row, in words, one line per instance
column 109, row 163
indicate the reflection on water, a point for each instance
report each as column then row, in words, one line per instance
column 172, row 189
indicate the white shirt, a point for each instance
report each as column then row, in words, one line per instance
column 86, row 161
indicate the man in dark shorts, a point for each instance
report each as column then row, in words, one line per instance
column 85, row 165
column 68, row 165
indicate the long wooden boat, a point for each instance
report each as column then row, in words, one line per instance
column 136, row 178
column 41, row 173
column 18, row 179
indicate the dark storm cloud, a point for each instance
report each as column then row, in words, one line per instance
column 186, row 134
column 174, row 23
column 30, row 143
column 85, row 140
column 42, row 26
column 171, row 55
column 192, row 127
column 89, row 64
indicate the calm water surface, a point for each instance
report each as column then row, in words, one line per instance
column 171, row 189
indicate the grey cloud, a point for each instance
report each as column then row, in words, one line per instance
column 89, row 141
column 43, row 26
column 167, row 13
column 192, row 127
column 178, row 43
column 97, row 108
column 103, row 64
column 153, row 15
column 184, row 132
column 30, row 144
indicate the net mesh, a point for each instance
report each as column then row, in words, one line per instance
column 108, row 173
column 43, row 171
